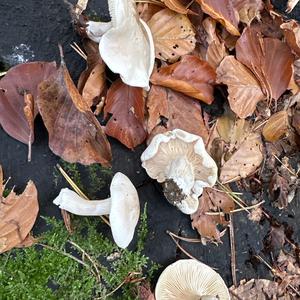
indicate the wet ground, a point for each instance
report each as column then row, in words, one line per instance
column 31, row 31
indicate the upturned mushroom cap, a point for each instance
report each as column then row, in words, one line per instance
column 189, row 279
column 125, row 209
column 180, row 157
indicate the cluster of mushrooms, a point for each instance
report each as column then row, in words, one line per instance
column 176, row 159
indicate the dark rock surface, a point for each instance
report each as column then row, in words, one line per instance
column 30, row 30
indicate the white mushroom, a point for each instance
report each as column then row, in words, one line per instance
column 178, row 159
column 189, row 279
column 126, row 43
column 123, row 207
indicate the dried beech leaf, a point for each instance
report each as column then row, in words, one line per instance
column 248, row 9
column 191, row 76
column 178, row 6
column 211, row 201
column 173, row 35
column 74, row 132
column 243, row 89
column 244, row 161
column 224, row 12
column 276, row 126
column 91, row 82
column 216, row 51
column 18, row 80
column 169, row 110
column 17, row 217
column 126, row 105
column 259, row 55
column 147, row 10
column 291, row 31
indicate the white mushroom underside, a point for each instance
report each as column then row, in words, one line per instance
column 189, row 279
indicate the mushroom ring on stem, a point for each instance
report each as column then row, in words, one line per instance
column 190, row 279
column 179, row 161
column 123, row 207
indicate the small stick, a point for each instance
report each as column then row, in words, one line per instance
column 293, row 173
column 183, row 238
column 79, row 51
column 77, row 189
column 232, row 250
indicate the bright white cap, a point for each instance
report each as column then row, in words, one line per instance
column 189, row 279
column 180, row 157
column 125, row 209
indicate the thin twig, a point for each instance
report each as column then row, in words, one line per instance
column 232, row 250
column 79, row 51
column 77, row 189
column 190, row 240
column 293, row 173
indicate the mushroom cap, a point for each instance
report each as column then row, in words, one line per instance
column 128, row 48
column 125, row 209
column 181, row 156
column 190, row 279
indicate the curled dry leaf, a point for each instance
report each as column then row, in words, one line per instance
column 191, row 76
column 126, row 105
column 17, row 217
column 169, row 110
column 21, row 79
column 74, row 132
column 178, row 6
column 259, row 55
column 291, row 31
column 276, row 126
column 224, row 12
column 244, row 161
column 173, row 35
column 243, row 89
column 211, row 201
column 248, row 9
column 91, row 82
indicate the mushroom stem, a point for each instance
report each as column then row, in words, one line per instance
column 73, row 203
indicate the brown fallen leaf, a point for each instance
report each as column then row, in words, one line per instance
column 276, row 126
column 190, row 76
column 279, row 191
column 91, row 82
column 144, row 291
column 74, row 132
column 291, row 31
column 21, row 79
column 211, row 201
column 168, row 110
column 17, row 217
column 244, row 161
column 173, row 35
column 224, row 12
column 147, row 10
column 178, row 6
column 259, row 55
column 248, row 9
column 243, row 88
column 126, row 105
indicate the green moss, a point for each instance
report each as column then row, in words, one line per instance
column 50, row 270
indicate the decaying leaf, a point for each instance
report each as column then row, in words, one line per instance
column 173, row 34
column 259, row 55
column 17, row 217
column 126, row 105
column 244, row 161
column 178, row 6
column 92, row 80
column 147, row 10
column 291, row 31
column 211, row 201
column 168, row 110
column 21, row 79
column 191, row 76
column 261, row 289
column 248, row 9
column 144, row 291
column 279, row 191
column 275, row 239
column 243, row 89
column 74, row 132
column 276, row 126
column 224, row 12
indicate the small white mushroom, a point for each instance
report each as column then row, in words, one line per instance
column 126, row 43
column 178, row 159
column 189, row 279
column 123, row 207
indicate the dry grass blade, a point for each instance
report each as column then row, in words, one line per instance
column 79, row 51
column 291, row 5
column 232, row 250
column 189, row 240
column 77, row 189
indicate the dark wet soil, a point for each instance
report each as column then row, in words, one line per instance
column 39, row 26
